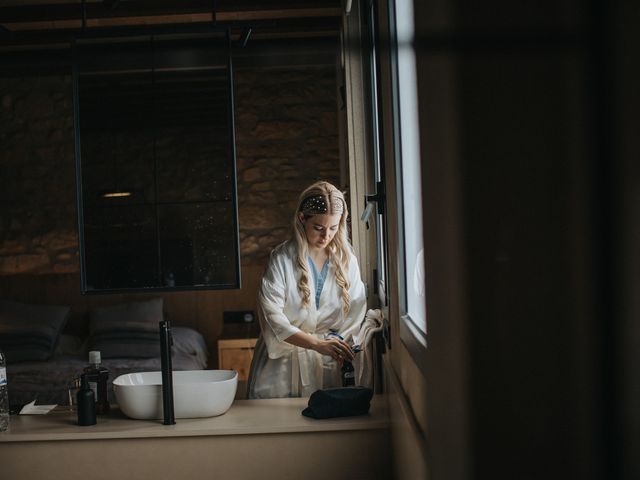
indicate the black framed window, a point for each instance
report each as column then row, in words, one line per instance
column 394, row 109
column 155, row 159
column 371, row 20
column 413, row 324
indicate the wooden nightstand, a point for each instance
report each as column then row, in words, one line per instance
column 236, row 354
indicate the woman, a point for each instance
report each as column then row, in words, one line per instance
column 311, row 301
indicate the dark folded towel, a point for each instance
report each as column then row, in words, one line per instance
column 339, row 402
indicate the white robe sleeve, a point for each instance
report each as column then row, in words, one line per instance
column 275, row 326
column 358, row 305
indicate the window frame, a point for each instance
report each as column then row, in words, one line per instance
column 411, row 335
column 221, row 40
column 377, row 147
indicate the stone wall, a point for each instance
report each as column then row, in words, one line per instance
column 286, row 136
column 38, row 227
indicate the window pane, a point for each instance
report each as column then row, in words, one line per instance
column 195, row 243
column 156, row 157
column 124, row 249
column 411, row 173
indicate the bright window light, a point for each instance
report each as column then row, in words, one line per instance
column 411, row 171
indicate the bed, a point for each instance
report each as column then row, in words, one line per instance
column 43, row 362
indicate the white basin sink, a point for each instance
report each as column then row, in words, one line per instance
column 196, row 393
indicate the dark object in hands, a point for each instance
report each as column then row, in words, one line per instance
column 339, row 402
column 348, row 374
column 347, row 371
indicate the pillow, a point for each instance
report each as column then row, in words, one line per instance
column 126, row 330
column 191, row 343
column 30, row 332
column 142, row 316
column 70, row 345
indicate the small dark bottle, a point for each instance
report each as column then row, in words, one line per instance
column 348, row 374
column 86, row 403
column 97, row 377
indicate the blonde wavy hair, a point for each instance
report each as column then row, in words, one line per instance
column 323, row 198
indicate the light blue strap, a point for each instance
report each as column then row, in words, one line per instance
column 318, row 278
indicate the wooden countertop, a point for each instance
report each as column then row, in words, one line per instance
column 245, row 417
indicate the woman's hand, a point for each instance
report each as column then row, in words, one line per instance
column 335, row 348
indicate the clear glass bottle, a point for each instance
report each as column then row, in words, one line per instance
column 4, row 394
column 97, row 377
column 73, row 392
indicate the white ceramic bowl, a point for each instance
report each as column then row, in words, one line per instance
column 196, row 393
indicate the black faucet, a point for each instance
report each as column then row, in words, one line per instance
column 166, row 340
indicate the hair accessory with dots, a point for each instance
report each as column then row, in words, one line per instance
column 314, row 205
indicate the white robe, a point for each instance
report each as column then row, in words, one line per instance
column 280, row 369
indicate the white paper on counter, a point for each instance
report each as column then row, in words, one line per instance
column 33, row 409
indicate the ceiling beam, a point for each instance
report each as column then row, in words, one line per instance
column 220, row 18
column 258, row 53
column 266, row 28
column 39, row 25
column 61, row 13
